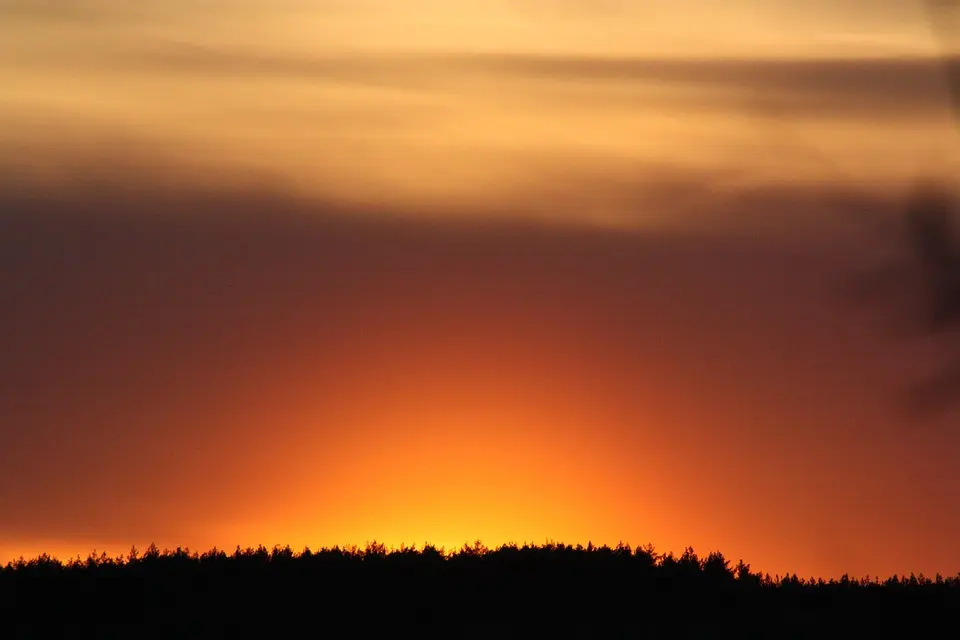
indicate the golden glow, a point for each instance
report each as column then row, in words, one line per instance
column 552, row 388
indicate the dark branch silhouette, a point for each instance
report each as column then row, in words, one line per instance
column 926, row 230
column 931, row 225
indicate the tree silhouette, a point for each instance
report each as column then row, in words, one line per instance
column 555, row 588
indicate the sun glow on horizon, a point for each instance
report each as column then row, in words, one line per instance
column 328, row 272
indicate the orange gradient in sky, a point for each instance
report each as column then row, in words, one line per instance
column 291, row 384
column 321, row 272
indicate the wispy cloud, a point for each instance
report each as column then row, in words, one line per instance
column 842, row 87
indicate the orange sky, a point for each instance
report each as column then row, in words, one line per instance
column 320, row 272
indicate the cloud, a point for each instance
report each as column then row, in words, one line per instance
column 493, row 128
column 840, row 88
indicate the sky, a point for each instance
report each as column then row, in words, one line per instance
column 318, row 272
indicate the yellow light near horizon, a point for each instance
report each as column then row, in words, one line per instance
column 484, row 411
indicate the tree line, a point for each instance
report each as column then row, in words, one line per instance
column 472, row 590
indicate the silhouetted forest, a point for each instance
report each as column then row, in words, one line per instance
column 553, row 590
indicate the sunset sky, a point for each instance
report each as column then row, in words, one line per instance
column 321, row 272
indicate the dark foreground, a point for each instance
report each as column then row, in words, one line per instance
column 550, row 591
